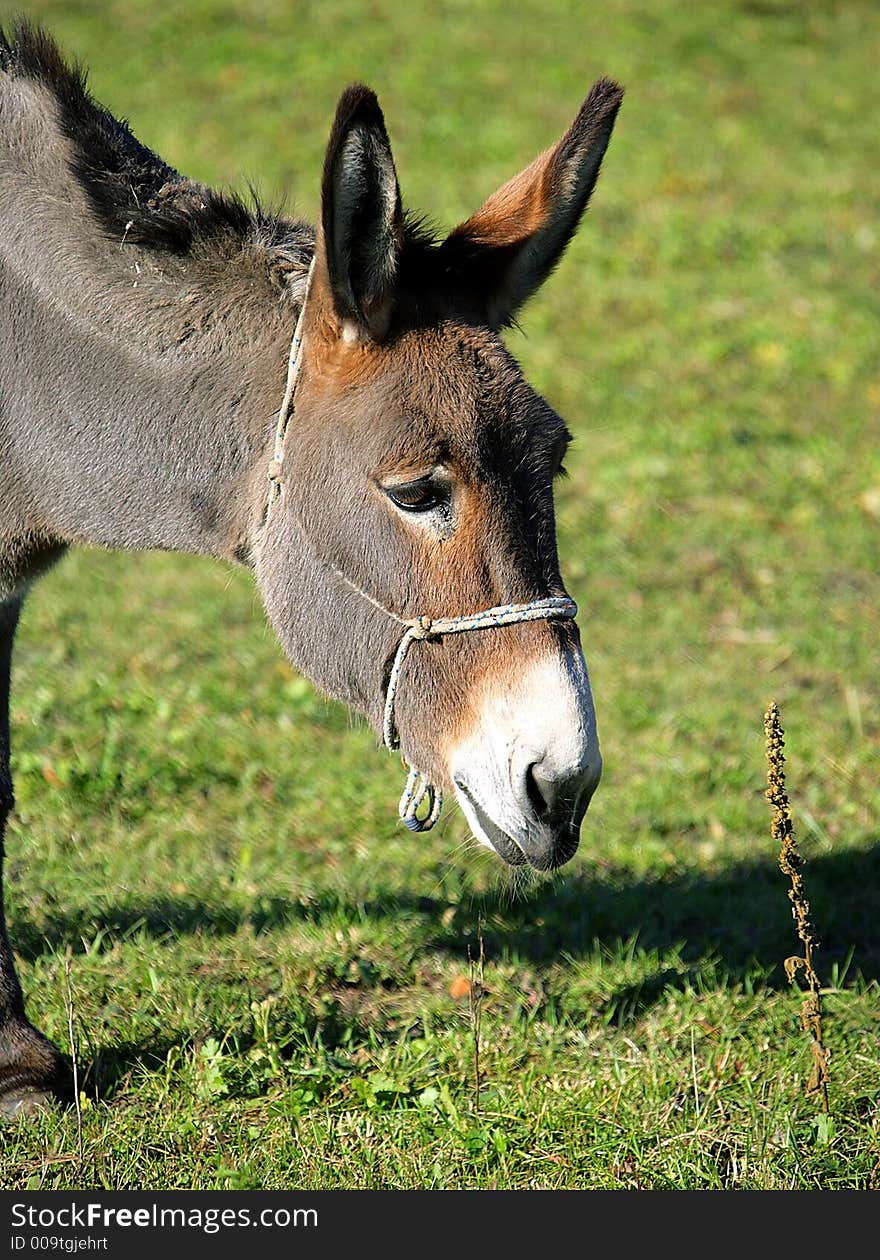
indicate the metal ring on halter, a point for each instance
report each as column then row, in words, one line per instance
column 418, row 789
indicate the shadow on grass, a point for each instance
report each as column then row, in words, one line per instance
column 740, row 918
column 114, row 1069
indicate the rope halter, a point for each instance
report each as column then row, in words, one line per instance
column 419, row 789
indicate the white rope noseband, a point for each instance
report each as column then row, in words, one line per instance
column 418, row 788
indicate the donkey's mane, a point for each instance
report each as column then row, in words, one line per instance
column 135, row 195
column 137, row 198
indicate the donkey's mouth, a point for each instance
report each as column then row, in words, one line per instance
column 506, row 847
column 542, row 844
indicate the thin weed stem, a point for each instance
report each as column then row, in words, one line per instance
column 68, row 1002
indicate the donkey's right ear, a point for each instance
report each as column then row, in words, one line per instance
column 362, row 230
column 516, row 238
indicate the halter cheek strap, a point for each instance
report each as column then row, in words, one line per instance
column 419, row 789
column 294, row 367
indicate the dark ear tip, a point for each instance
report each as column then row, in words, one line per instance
column 358, row 104
column 594, row 118
column 603, row 98
column 358, row 109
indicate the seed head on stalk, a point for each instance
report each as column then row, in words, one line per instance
column 791, row 863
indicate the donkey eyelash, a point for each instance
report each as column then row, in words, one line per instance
column 418, row 496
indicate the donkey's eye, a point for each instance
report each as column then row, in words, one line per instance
column 423, row 495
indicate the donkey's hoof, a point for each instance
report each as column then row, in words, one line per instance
column 25, row 1101
column 33, row 1072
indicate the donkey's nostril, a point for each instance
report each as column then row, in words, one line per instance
column 541, row 789
column 556, row 797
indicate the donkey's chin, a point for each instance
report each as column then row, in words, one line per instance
column 487, row 830
column 534, row 844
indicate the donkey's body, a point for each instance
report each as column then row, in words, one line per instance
column 145, row 322
column 152, row 439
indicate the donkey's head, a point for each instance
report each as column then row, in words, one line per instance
column 417, row 480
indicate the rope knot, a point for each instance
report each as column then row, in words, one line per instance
column 423, row 627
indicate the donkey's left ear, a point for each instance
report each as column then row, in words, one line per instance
column 516, row 238
column 361, row 217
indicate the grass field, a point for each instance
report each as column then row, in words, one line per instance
column 269, row 976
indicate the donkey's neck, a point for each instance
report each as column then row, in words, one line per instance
column 139, row 399
column 132, row 445
column 139, row 385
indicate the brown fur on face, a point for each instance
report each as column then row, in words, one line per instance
column 370, row 414
column 403, row 374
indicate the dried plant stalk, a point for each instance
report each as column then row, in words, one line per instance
column 790, row 863
column 476, row 993
column 68, row 1002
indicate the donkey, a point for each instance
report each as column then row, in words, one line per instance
column 393, row 490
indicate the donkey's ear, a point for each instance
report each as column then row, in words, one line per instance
column 361, row 216
column 516, row 238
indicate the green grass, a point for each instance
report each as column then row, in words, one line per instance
column 263, row 963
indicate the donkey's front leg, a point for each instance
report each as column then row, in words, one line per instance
column 32, row 1070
